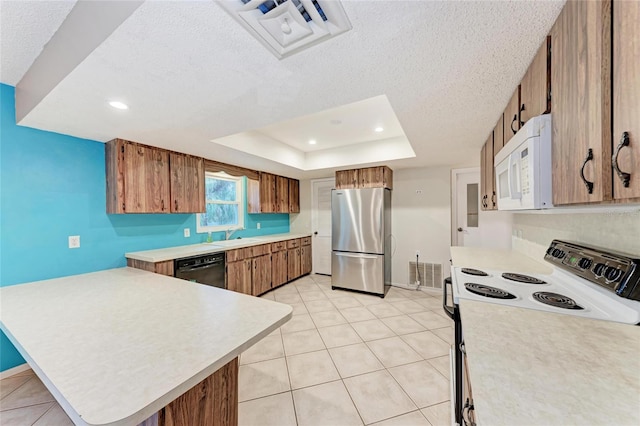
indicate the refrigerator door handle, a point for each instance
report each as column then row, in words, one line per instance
column 358, row 255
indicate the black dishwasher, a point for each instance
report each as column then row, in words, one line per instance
column 205, row 269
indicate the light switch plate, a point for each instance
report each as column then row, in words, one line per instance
column 187, row 232
column 74, row 241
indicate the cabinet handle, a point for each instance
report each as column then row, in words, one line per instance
column 493, row 198
column 123, row 208
column 162, row 203
column 588, row 184
column 624, row 176
column 176, row 204
column 515, row 118
column 520, row 120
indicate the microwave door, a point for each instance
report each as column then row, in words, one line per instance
column 515, row 192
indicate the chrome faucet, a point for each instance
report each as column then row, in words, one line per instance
column 229, row 232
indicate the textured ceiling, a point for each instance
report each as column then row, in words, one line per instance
column 191, row 74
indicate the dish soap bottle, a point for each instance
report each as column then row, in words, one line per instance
column 209, row 239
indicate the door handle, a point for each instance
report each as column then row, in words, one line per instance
column 359, row 256
column 460, row 229
column 624, row 176
column 315, row 233
column 588, row 184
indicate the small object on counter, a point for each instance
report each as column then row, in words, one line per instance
column 209, row 239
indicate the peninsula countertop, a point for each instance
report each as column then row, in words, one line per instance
column 116, row 346
column 170, row 253
column 530, row 367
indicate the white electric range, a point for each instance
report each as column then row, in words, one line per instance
column 586, row 282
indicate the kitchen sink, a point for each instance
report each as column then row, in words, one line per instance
column 233, row 243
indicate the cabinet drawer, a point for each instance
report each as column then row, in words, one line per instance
column 237, row 254
column 279, row 246
column 259, row 250
column 293, row 243
column 306, row 241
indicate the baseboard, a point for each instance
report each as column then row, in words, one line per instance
column 431, row 291
column 15, row 370
column 405, row 286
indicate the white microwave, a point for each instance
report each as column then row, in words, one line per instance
column 523, row 168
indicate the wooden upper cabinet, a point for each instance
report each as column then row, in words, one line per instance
column 346, row 179
column 294, row 196
column 187, row 183
column 282, row 194
column 536, row 85
column 267, row 193
column 137, row 178
column 498, row 135
column 626, row 98
column 512, row 116
column 369, row 177
column 487, row 182
column 253, row 196
column 581, row 84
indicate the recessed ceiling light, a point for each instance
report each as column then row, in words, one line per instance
column 378, row 129
column 312, row 141
column 118, row 105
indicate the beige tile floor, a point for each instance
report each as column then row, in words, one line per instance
column 344, row 359
column 347, row 358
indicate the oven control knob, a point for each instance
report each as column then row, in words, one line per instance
column 612, row 274
column 584, row 263
column 598, row 270
column 558, row 254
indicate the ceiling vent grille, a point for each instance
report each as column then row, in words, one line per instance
column 286, row 27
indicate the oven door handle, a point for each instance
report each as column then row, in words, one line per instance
column 201, row 267
column 450, row 311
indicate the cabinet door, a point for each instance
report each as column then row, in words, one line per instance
column 293, row 261
column 294, row 196
column 261, row 274
column 279, row 268
column 305, row 260
column 238, row 276
column 483, row 177
column 282, row 194
column 145, row 178
column 267, row 193
column 347, row 179
column 581, row 82
column 187, row 183
column 536, row 85
column 253, row 196
column 512, row 116
column 626, row 97
column 498, row 135
column 492, row 202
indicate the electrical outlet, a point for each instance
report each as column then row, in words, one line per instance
column 187, row 232
column 258, row 225
column 74, row 241
column 419, row 191
column 417, row 253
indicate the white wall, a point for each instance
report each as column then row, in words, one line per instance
column 300, row 223
column 420, row 221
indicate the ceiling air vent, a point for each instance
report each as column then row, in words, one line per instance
column 289, row 26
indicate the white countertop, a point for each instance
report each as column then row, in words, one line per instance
column 530, row 367
column 116, row 346
column 170, row 253
column 535, row 368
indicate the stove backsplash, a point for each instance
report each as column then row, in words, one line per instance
column 532, row 233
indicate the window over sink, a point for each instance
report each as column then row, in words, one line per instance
column 224, row 196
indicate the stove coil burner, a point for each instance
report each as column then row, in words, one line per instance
column 557, row 300
column 487, row 291
column 526, row 279
column 476, row 272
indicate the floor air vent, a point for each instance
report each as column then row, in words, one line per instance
column 289, row 26
column 429, row 274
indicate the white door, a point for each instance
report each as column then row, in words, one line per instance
column 321, row 224
column 472, row 227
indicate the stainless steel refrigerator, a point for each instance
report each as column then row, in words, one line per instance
column 361, row 239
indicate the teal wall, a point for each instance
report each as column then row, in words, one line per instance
column 53, row 186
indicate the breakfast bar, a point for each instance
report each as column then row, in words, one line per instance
column 117, row 347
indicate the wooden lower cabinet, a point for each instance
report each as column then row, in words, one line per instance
column 164, row 268
column 238, row 276
column 261, row 274
column 279, row 268
column 305, row 260
column 293, row 262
